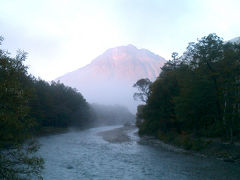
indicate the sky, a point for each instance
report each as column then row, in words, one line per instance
column 63, row 35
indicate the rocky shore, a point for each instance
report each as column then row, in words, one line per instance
column 118, row 135
column 227, row 153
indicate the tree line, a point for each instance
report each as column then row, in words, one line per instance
column 196, row 94
column 27, row 105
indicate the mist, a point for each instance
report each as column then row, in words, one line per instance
column 111, row 115
column 110, row 93
column 109, row 78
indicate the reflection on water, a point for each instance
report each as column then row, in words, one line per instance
column 85, row 155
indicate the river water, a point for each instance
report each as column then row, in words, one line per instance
column 79, row 155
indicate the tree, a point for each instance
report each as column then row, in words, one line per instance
column 230, row 88
column 27, row 106
column 205, row 54
column 56, row 105
column 196, row 94
column 17, row 160
column 143, row 87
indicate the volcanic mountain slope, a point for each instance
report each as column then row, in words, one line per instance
column 108, row 79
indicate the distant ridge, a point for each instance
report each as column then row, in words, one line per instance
column 235, row 40
column 109, row 77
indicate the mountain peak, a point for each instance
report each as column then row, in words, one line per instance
column 128, row 47
column 113, row 73
column 131, row 46
column 129, row 53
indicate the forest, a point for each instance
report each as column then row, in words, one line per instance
column 197, row 95
column 27, row 106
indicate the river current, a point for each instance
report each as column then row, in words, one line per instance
column 80, row 155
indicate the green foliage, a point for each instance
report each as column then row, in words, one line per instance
column 197, row 93
column 26, row 106
column 17, row 160
column 56, row 105
column 139, row 115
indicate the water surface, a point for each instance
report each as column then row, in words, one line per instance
column 80, row 155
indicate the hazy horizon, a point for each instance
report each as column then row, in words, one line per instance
column 61, row 36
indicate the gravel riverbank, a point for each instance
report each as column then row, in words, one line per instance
column 118, row 135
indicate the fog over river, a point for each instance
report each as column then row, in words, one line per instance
column 79, row 155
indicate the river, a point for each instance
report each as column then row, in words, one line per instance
column 80, row 155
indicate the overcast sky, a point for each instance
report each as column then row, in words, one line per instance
column 63, row 35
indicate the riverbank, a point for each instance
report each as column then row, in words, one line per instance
column 203, row 147
column 47, row 131
column 223, row 151
column 117, row 135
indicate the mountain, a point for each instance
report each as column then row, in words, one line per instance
column 109, row 78
column 235, row 40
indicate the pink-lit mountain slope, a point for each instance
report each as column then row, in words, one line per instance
column 108, row 79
